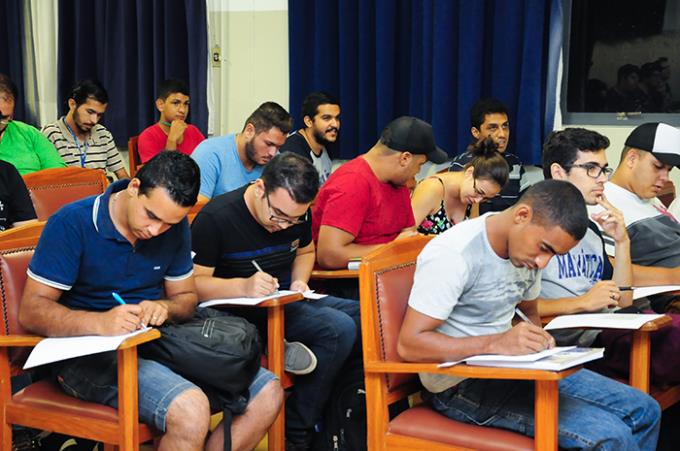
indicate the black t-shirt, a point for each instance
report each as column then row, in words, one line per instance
column 225, row 236
column 15, row 202
column 296, row 143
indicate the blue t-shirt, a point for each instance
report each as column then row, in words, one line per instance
column 221, row 168
column 81, row 253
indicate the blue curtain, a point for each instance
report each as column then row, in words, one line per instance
column 427, row 58
column 11, row 56
column 131, row 45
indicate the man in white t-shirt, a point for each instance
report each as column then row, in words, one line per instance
column 321, row 117
column 467, row 284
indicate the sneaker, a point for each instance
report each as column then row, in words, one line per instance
column 298, row 358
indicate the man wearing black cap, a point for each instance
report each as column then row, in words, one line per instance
column 649, row 154
column 365, row 203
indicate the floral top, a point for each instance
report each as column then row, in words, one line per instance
column 436, row 223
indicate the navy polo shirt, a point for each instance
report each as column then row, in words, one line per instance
column 81, row 252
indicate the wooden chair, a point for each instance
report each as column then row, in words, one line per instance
column 667, row 194
column 134, row 160
column 53, row 188
column 386, row 277
column 43, row 405
column 195, row 210
column 274, row 361
column 25, row 235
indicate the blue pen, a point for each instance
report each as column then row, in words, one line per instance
column 118, row 299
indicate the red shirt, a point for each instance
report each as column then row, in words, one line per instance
column 354, row 200
column 153, row 140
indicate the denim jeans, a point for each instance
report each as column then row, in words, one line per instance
column 595, row 412
column 330, row 327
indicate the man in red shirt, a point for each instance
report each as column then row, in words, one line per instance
column 366, row 203
column 171, row 132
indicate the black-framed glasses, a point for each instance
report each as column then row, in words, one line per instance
column 594, row 170
column 285, row 220
column 479, row 193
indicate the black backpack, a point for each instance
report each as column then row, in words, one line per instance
column 344, row 420
column 216, row 351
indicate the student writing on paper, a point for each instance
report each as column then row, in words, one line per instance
column 135, row 240
column 583, row 280
column 267, row 225
column 453, row 315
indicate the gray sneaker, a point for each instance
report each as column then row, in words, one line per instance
column 298, row 358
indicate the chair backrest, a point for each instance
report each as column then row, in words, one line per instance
column 24, row 235
column 134, row 160
column 385, row 281
column 667, row 194
column 53, row 188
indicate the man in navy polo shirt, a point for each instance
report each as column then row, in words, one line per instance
column 134, row 240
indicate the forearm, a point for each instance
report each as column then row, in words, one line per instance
column 623, row 272
column 44, row 316
column 560, row 306
column 302, row 267
column 210, row 287
column 337, row 257
column 181, row 306
column 655, row 275
column 171, row 144
column 122, row 174
column 432, row 346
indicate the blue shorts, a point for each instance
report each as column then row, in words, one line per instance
column 95, row 378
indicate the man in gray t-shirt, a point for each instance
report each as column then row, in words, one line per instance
column 467, row 284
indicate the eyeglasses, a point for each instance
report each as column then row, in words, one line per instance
column 593, row 170
column 284, row 220
column 479, row 193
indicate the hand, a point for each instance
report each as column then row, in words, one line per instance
column 120, row 320
column 523, row 338
column 299, row 285
column 154, row 313
column 260, row 284
column 176, row 133
column 611, row 220
column 603, row 294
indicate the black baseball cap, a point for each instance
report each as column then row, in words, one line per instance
column 661, row 140
column 410, row 134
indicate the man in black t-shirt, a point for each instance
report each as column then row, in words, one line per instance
column 267, row 224
column 489, row 118
column 15, row 202
column 321, row 116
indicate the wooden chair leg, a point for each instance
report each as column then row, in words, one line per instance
column 275, row 329
column 545, row 415
column 640, row 361
column 128, row 413
column 5, row 394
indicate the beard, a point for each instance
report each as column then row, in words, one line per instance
column 321, row 137
column 250, row 152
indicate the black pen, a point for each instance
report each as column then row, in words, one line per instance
column 627, row 288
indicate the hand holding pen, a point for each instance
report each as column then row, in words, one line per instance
column 260, row 284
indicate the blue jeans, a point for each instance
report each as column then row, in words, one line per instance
column 95, row 378
column 595, row 412
column 330, row 327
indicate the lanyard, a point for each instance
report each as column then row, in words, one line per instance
column 86, row 145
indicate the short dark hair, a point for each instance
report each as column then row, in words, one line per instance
column 558, row 203
column 488, row 163
column 625, row 70
column 310, row 106
column 7, row 85
column 483, row 107
column 561, row 147
column 268, row 115
column 295, row 174
column 171, row 86
column 88, row 89
column 174, row 171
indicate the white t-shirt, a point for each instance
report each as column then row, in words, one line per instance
column 461, row 280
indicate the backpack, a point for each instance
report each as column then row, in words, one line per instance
column 218, row 352
column 344, row 420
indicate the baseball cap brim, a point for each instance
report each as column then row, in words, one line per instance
column 671, row 159
column 437, row 156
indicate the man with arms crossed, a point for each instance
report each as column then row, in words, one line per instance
column 135, row 240
column 456, row 314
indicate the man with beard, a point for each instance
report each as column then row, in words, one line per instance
column 79, row 137
column 21, row 144
column 172, row 131
column 229, row 162
column 321, row 116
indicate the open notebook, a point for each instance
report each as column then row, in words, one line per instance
column 555, row 359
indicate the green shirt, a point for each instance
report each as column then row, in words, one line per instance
column 27, row 149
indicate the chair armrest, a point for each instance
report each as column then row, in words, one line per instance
column 283, row 300
column 10, row 341
column 465, row 370
column 139, row 339
column 320, row 274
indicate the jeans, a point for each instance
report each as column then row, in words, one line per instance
column 595, row 412
column 95, row 378
column 330, row 327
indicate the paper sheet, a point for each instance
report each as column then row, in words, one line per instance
column 56, row 349
column 604, row 320
column 310, row 294
column 641, row 292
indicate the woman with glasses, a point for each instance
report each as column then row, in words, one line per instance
column 445, row 199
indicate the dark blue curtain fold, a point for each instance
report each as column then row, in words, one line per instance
column 428, row 58
column 11, row 57
column 131, row 45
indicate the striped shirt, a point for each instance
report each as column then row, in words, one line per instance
column 98, row 152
